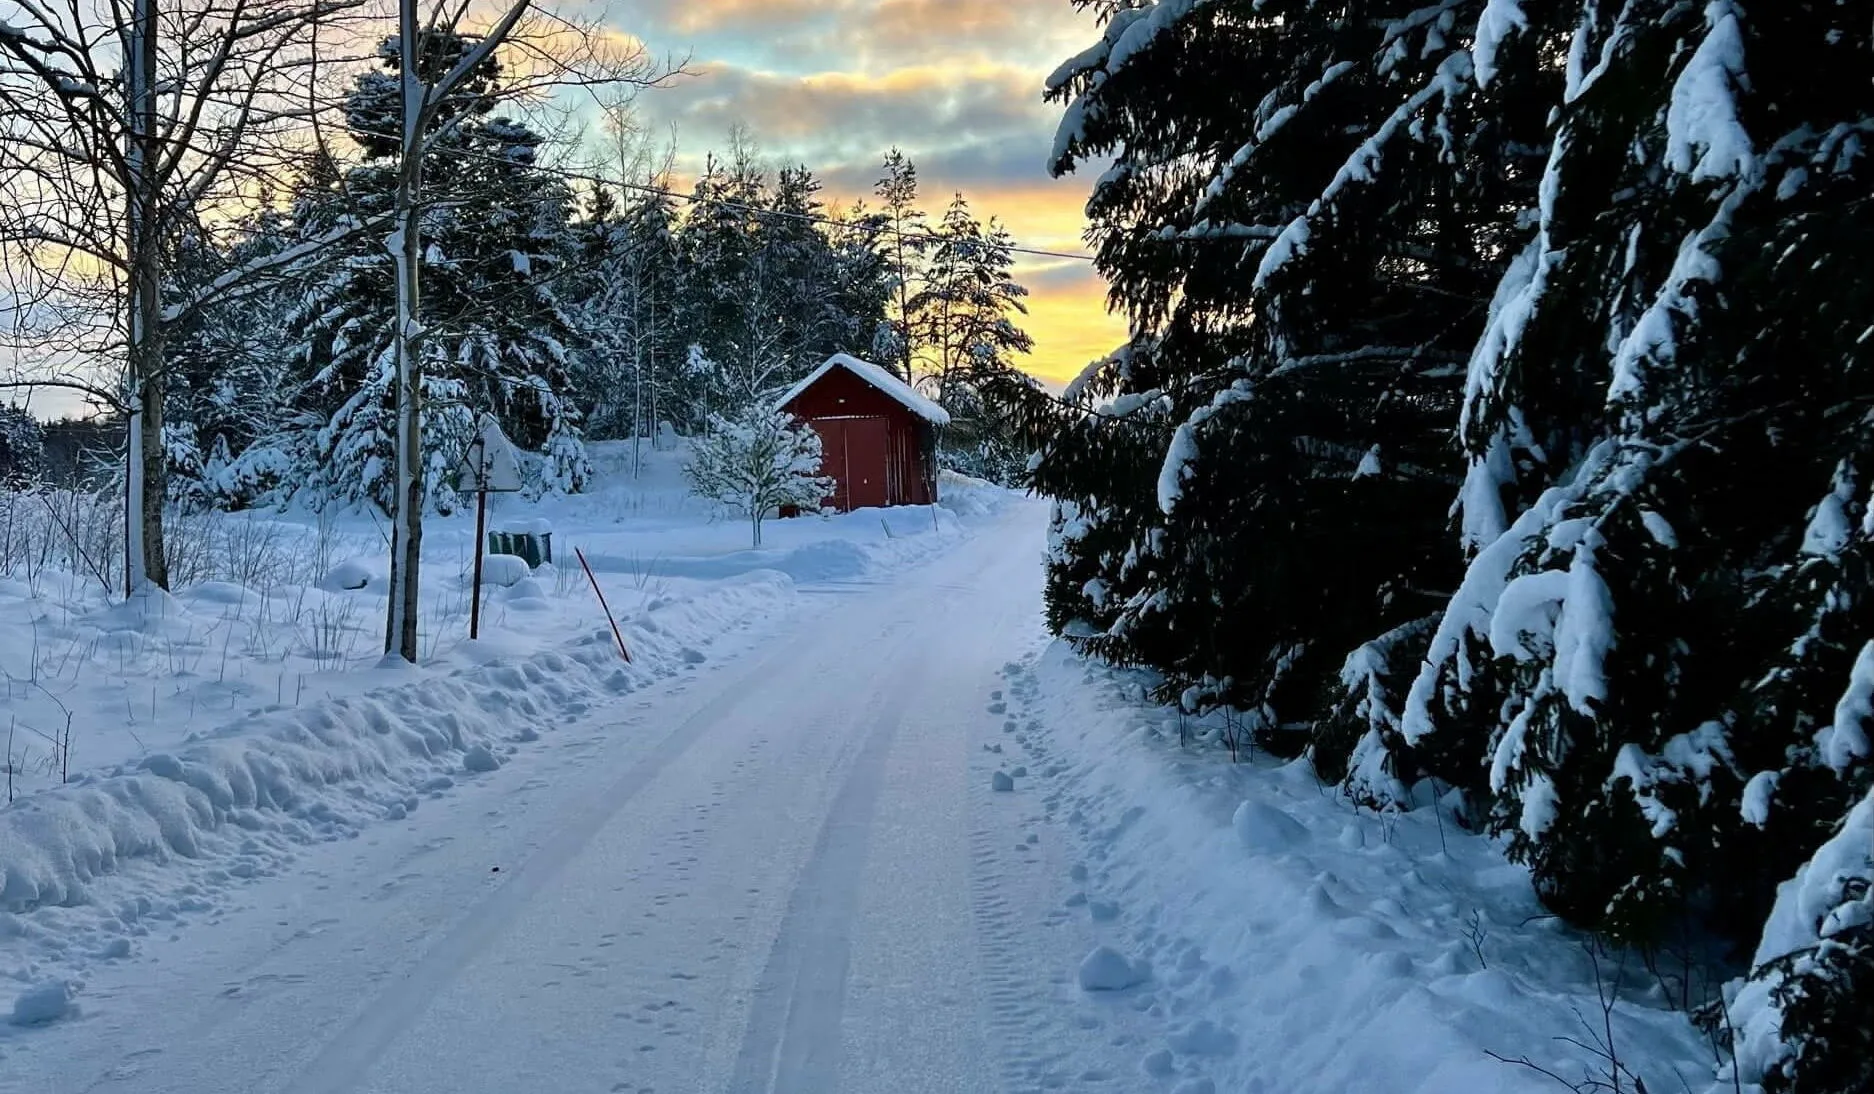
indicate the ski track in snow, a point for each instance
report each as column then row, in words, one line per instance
column 344, row 1062
column 792, row 1040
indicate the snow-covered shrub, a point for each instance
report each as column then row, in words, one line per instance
column 264, row 473
column 1359, row 741
column 184, row 465
column 563, row 467
column 757, row 463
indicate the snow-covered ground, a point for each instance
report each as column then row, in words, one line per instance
column 1283, row 942
column 848, row 822
column 160, row 751
column 267, row 622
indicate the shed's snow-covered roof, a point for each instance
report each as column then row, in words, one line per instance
column 878, row 378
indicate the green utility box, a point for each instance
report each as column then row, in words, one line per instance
column 535, row 547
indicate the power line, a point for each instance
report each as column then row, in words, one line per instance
column 808, row 218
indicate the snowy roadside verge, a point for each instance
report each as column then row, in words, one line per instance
column 134, row 849
column 908, row 536
column 1282, row 941
column 125, row 852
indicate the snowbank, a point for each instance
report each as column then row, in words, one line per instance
column 233, row 803
column 1302, row 945
column 505, row 570
column 968, row 496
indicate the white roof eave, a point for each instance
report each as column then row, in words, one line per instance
column 877, row 377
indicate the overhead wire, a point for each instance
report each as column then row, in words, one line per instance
column 810, row 218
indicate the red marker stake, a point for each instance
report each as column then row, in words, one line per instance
column 600, row 593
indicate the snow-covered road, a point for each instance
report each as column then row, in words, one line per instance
column 781, row 867
column 767, row 877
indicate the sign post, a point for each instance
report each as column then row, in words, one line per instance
column 475, row 601
column 488, row 467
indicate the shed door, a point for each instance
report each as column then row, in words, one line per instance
column 867, row 454
column 833, row 460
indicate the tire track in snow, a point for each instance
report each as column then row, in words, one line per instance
column 343, row 1063
column 792, row 1041
column 1007, row 996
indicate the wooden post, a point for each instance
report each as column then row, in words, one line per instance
column 488, row 467
column 481, row 524
column 931, row 472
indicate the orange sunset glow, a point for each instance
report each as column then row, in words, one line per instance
column 956, row 84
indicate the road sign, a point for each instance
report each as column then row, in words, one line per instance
column 490, row 465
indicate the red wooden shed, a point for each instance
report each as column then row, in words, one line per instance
column 878, row 436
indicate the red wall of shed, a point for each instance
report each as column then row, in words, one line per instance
column 840, row 394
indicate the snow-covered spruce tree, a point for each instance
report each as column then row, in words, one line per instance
column 229, row 371
column 496, row 333
column 725, row 303
column 754, row 274
column 22, row 448
column 1307, row 210
column 904, row 228
column 757, row 463
column 1667, row 427
column 860, row 281
column 625, row 299
column 797, row 256
column 963, row 330
column 769, row 292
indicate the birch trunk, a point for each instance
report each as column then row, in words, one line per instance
column 406, row 244
column 651, row 424
column 144, row 487
column 406, row 547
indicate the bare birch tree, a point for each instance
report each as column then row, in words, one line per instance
column 120, row 126
column 636, row 280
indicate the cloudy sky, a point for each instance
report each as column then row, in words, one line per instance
column 955, row 83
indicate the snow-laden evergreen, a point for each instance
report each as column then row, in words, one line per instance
column 626, row 366
column 495, row 331
column 962, row 320
column 1304, row 289
column 22, row 447
column 231, row 371
column 1495, row 419
column 1800, row 1022
column 607, row 309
